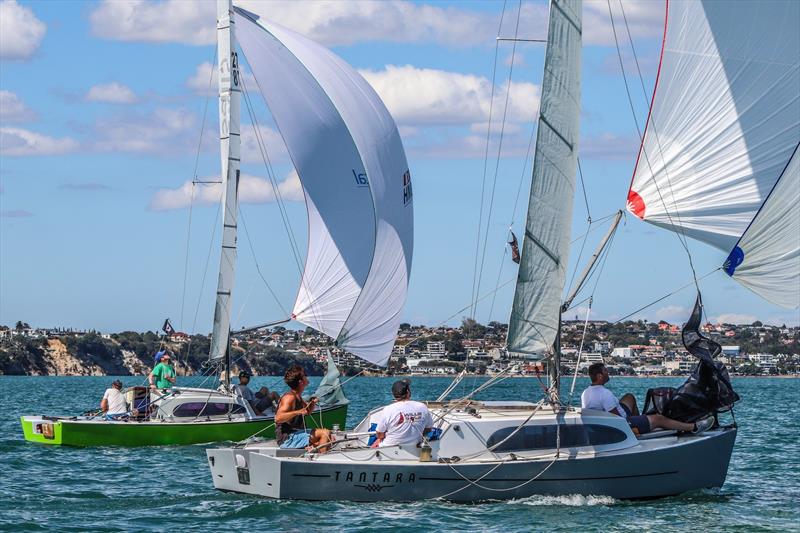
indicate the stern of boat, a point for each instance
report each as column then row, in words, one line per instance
column 41, row 430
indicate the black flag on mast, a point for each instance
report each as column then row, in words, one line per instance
column 514, row 248
column 167, row 327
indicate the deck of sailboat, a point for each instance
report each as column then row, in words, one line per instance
column 464, row 467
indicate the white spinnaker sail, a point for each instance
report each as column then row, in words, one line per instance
column 536, row 310
column 767, row 258
column 350, row 159
column 229, row 97
column 724, row 120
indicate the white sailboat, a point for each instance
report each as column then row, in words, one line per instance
column 502, row 450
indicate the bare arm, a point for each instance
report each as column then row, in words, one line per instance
column 104, row 405
column 284, row 413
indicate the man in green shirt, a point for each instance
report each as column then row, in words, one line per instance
column 163, row 375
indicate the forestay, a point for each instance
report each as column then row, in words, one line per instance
column 540, row 282
column 350, row 159
column 723, row 125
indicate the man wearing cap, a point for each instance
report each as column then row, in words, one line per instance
column 113, row 403
column 405, row 420
column 259, row 401
column 163, row 375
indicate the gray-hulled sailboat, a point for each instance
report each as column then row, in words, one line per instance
column 502, row 450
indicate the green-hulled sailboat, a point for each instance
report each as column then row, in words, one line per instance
column 357, row 189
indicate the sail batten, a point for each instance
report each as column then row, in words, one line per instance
column 723, row 123
column 535, row 313
column 348, row 154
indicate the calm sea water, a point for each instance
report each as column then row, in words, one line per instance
column 169, row 488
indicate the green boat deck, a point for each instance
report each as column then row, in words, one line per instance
column 87, row 432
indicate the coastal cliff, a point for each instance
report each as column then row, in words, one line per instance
column 131, row 353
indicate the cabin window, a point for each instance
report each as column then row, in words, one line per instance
column 197, row 409
column 544, row 437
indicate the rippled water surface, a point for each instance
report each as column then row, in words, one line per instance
column 169, row 488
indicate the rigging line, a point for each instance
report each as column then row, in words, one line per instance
column 693, row 282
column 585, row 197
column 580, row 255
column 497, row 283
column 468, row 306
column 191, row 199
column 281, row 205
column 652, row 119
column 499, row 151
column 208, row 261
column 186, row 257
column 485, row 163
column 522, row 176
column 597, row 225
column 258, row 267
column 271, row 176
column 633, row 49
column 681, row 235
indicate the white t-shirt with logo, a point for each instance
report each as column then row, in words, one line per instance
column 403, row 422
column 116, row 401
column 600, row 398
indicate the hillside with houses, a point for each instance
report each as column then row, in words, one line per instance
column 627, row 348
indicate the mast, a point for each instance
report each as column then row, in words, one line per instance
column 229, row 144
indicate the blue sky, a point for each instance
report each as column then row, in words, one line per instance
column 102, row 107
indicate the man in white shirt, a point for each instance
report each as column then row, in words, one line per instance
column 404, row 421
column 113, row 403
column 598, row 397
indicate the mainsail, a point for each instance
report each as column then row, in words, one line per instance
column 535, row 314
column 348, row 154
column 718, row 160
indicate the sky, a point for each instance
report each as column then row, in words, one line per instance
column 108, row 112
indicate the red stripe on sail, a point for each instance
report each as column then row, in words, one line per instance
column 635, row 204
column 652, row 100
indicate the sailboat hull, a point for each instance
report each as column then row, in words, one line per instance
column 654, row 468
column 75, row 431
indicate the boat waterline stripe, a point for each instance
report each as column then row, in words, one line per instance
column 548, row 479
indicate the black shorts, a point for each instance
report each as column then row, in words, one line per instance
column 640, row 422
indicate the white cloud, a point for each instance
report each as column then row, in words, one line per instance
column 22, row 142
column 114, row 93
column 672, row 313
column 163, row 131
column 273, row 142
column 734, row 318
column 417, row 96
column 170, row 21
column 12, row 109
column 21, row 32
column 330, row 23
column 199, row 81
column 645, row 19
column 252, row 190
